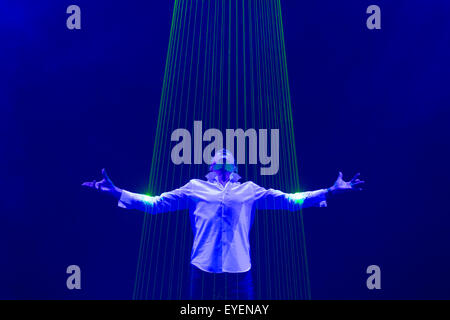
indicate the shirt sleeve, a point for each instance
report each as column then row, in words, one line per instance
column 276, row 199
column 174, row 200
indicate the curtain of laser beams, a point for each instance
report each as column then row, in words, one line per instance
column 225, row 66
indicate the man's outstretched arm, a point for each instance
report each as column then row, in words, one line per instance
column 174, row 200
column 276, row 199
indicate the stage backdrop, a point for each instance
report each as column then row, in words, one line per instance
column 345, row 98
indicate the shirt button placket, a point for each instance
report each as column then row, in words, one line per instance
column 223, row 229
column 222, row 224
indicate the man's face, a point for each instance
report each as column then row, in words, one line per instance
column 223, row 164
column 222, row 168
column 225, row 167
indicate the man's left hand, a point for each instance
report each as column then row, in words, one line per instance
column 341, row 186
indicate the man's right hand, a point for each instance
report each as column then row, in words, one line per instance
column 105, row 185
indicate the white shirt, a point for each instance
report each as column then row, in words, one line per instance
column 221, row 216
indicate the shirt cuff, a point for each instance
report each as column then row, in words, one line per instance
column 319, row 197
column 126, row 199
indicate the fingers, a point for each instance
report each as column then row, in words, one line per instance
column 88, row 184
column 93, row 184
column 356, row 184
column 356, row 176
column 340, row 176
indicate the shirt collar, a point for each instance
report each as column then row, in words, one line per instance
column 212, row 177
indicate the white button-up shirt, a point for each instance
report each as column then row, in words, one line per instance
column 221, row 216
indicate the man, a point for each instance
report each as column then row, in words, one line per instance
column 221, row 210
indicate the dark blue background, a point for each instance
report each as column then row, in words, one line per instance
column 73, row 102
